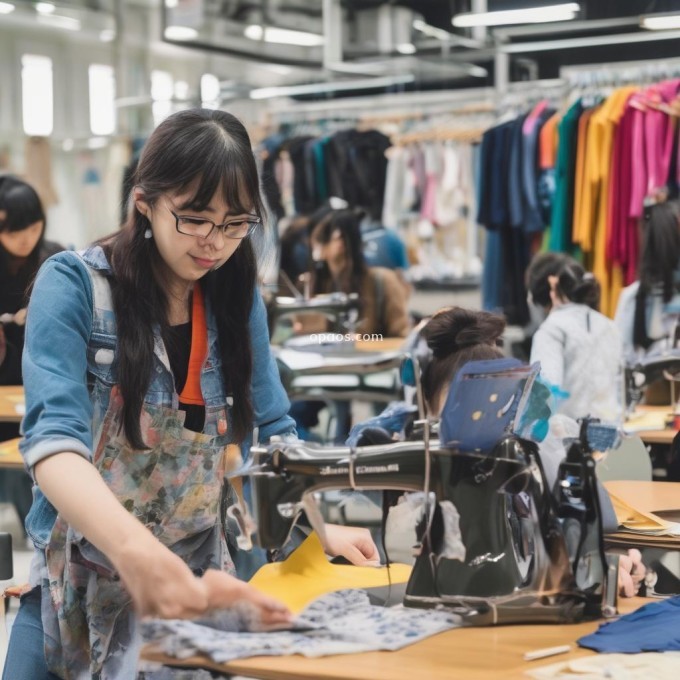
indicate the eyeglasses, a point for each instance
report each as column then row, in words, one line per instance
column 238, row 228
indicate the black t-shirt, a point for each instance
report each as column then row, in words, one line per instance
column 177, row 341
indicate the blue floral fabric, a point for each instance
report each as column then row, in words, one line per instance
column 343, row 622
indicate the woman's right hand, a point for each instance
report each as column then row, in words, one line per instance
column 161, row 585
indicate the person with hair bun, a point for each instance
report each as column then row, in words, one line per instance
column 454, row 337
column 579, row 349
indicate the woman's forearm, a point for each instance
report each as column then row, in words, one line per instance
column 76, row 489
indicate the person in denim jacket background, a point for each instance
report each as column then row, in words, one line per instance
column 146, row 356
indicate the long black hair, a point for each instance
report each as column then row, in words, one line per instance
column 204, row 151
column 20, row 207
column 659, row 261
column 347, row 223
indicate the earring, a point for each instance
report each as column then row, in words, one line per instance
column 148, row 233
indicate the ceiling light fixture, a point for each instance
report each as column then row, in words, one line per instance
column 44, row 8
column 431, row 31
column 180, row 33
column 58, row 21
column 107, row 35
column 283, row 36
column 406, row 48
column 660, row 22
column 336, row 86
column 6, row 7
column 529, row 15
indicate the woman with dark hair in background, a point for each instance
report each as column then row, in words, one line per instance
column 159, row 360
column 579, row 349
column 23, row 249
column 648, row 310
column 337, row 249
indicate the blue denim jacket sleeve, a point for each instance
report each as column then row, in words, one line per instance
column 270, row 402
column 58, row 409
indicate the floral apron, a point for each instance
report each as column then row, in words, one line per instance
column 175, row 488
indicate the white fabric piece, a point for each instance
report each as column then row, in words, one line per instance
column 647, row 666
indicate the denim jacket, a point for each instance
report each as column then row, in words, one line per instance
column 69, row 370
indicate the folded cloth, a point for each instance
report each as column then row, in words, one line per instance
column 652, row 628
column 650, row 666
column 343, row 622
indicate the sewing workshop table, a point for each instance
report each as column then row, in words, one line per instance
column 10, row 458
column 469, row 653
column 11, row 403
column 646, row 497
column 664, row 436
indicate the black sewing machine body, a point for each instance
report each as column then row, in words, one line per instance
column 516, row 567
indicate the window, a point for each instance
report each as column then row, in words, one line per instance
column 162, row 89
column 37, row 95
column 102, row 99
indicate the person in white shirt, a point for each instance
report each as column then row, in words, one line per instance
column 579, row 349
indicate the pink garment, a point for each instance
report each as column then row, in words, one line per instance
column 659, row 135
column 531, row 120
column 638, row 187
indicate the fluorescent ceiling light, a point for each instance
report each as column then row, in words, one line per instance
column 181, row 33
column 44, row 8
column 530, row 15
column 171, row 4
column 58, row 21
column 431, row 31
column 107, row 35
column 283, row 35
column 406, row 48
column 281, row 69
column 6, row 7
column 337, row 86
column 660, row 22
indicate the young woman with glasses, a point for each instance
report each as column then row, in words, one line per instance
column 146, row 355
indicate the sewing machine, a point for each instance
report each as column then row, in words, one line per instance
column 492, row 545
column 638, row 376
column 340, row 309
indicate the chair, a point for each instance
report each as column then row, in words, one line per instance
column 629, row 462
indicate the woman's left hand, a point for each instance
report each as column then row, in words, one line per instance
column 631, row 573
column 354, row 544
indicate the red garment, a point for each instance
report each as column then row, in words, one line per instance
column 622, row 242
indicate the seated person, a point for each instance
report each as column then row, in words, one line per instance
column 579, row 349
column 456, row 336
column 23, row 249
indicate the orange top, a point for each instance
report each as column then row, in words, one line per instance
column 547, row 142
column 191, row 393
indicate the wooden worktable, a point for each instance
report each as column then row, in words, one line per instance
column 646, row 497
column 11, row 403
column 10, row 456
column 663, row 436
column 469, row 653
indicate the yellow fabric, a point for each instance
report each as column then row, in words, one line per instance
column 638, row 521
column 307, row 574
column 596, row 191
column 578, row 225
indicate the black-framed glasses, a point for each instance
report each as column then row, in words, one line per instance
column 237, row 228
